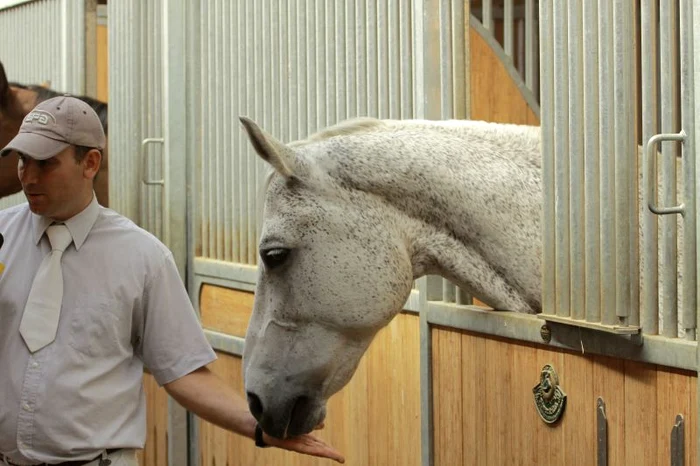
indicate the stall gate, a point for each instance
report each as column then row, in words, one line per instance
column 42, row 42
column 459, row 389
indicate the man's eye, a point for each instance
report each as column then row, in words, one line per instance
column 274, row 257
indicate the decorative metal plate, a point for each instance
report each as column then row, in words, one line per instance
column 550, row 399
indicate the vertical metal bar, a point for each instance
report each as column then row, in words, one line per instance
column 351, row 59
column 633, row 67
column 383, row 61
column 689, row 297
column 508, row 27
column 548, row 168
column 668, row 236
column 602, row 433
column 408, row 69
column 530, row 44
column 460, row 48
column 622, row 59
column 561, row 163
column 394, row 45
column 577, row 245
column 592, row 161
column 607, row 161
column 446, row 98
column 650, row 234
column 487, row 14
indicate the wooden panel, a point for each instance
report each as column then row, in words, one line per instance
column 393, row 383
column 225, row 310
column 499, row 423
column 373, row 420
column 640, row 414
column 609, row 383
column 447, row 408
column 102, row 64
column 155, row 452
column 494, row 95
column 673, row 397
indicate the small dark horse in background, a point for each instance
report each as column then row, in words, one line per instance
column 16, row 101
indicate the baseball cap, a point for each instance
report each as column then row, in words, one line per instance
column 55, row 124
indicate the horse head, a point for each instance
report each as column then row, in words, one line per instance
column 334, row 269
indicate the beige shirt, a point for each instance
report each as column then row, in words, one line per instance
column 124, row 306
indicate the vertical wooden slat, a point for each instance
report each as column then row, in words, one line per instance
column 640, row 412
column 473, row 408
column 609, row 383
column 447, row 397
column 673, row 397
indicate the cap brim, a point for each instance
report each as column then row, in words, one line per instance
column 35, row 146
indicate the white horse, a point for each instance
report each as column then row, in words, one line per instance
column 353, row 216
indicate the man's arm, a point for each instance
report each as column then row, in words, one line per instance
column 206, row 395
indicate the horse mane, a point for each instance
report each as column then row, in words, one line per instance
column 43, row 93
column 351, row 126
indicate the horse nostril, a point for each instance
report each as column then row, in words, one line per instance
column 255, row 405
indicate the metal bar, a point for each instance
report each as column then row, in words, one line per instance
column 591, row 143
column 678, row 442
column 687, row 70
column 602, row 433
column 487, row 11
column 460, row 62
column 508, row 27
column 650, row 234
column 548, row 169
column 561, row 161
column 671, row 352
column 449, row 294
column 425, row 285
column 146, row 180
column 651, row 181
column 622, row 50
column 530, row 44
column 577, row 235
column 607, row 162
column 668, row 235
column 446, row 64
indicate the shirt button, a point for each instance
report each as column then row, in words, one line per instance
column 35, row 364
column 27, row 407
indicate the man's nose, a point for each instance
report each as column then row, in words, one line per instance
column 28, row 172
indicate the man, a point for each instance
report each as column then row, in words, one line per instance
column 87, row 299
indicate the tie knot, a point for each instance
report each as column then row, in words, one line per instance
column 59, row 237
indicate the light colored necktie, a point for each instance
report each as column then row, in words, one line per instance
column 40, row 318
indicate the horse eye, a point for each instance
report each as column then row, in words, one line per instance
column 274, row 257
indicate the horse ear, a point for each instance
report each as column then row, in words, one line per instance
column 281, row 157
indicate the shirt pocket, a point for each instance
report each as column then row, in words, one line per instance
column 97, row 330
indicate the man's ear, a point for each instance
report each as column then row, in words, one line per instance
column 91, row 163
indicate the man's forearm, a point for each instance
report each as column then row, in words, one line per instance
column 206, row 395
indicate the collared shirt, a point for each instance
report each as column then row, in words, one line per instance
column 124, row 306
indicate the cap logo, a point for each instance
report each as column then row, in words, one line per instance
column 39, row 116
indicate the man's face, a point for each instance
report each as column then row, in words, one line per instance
column 59, row 187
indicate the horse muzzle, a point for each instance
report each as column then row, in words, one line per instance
column 284, row 417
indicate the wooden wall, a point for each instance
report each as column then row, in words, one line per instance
column 373, row 420
column 485, row 413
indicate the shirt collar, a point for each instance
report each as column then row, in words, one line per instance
column 79, row 225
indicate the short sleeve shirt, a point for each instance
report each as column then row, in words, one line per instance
column 124, row 307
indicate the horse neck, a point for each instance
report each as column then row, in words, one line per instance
column 470, row 203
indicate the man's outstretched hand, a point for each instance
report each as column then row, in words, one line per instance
column 308, row 444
